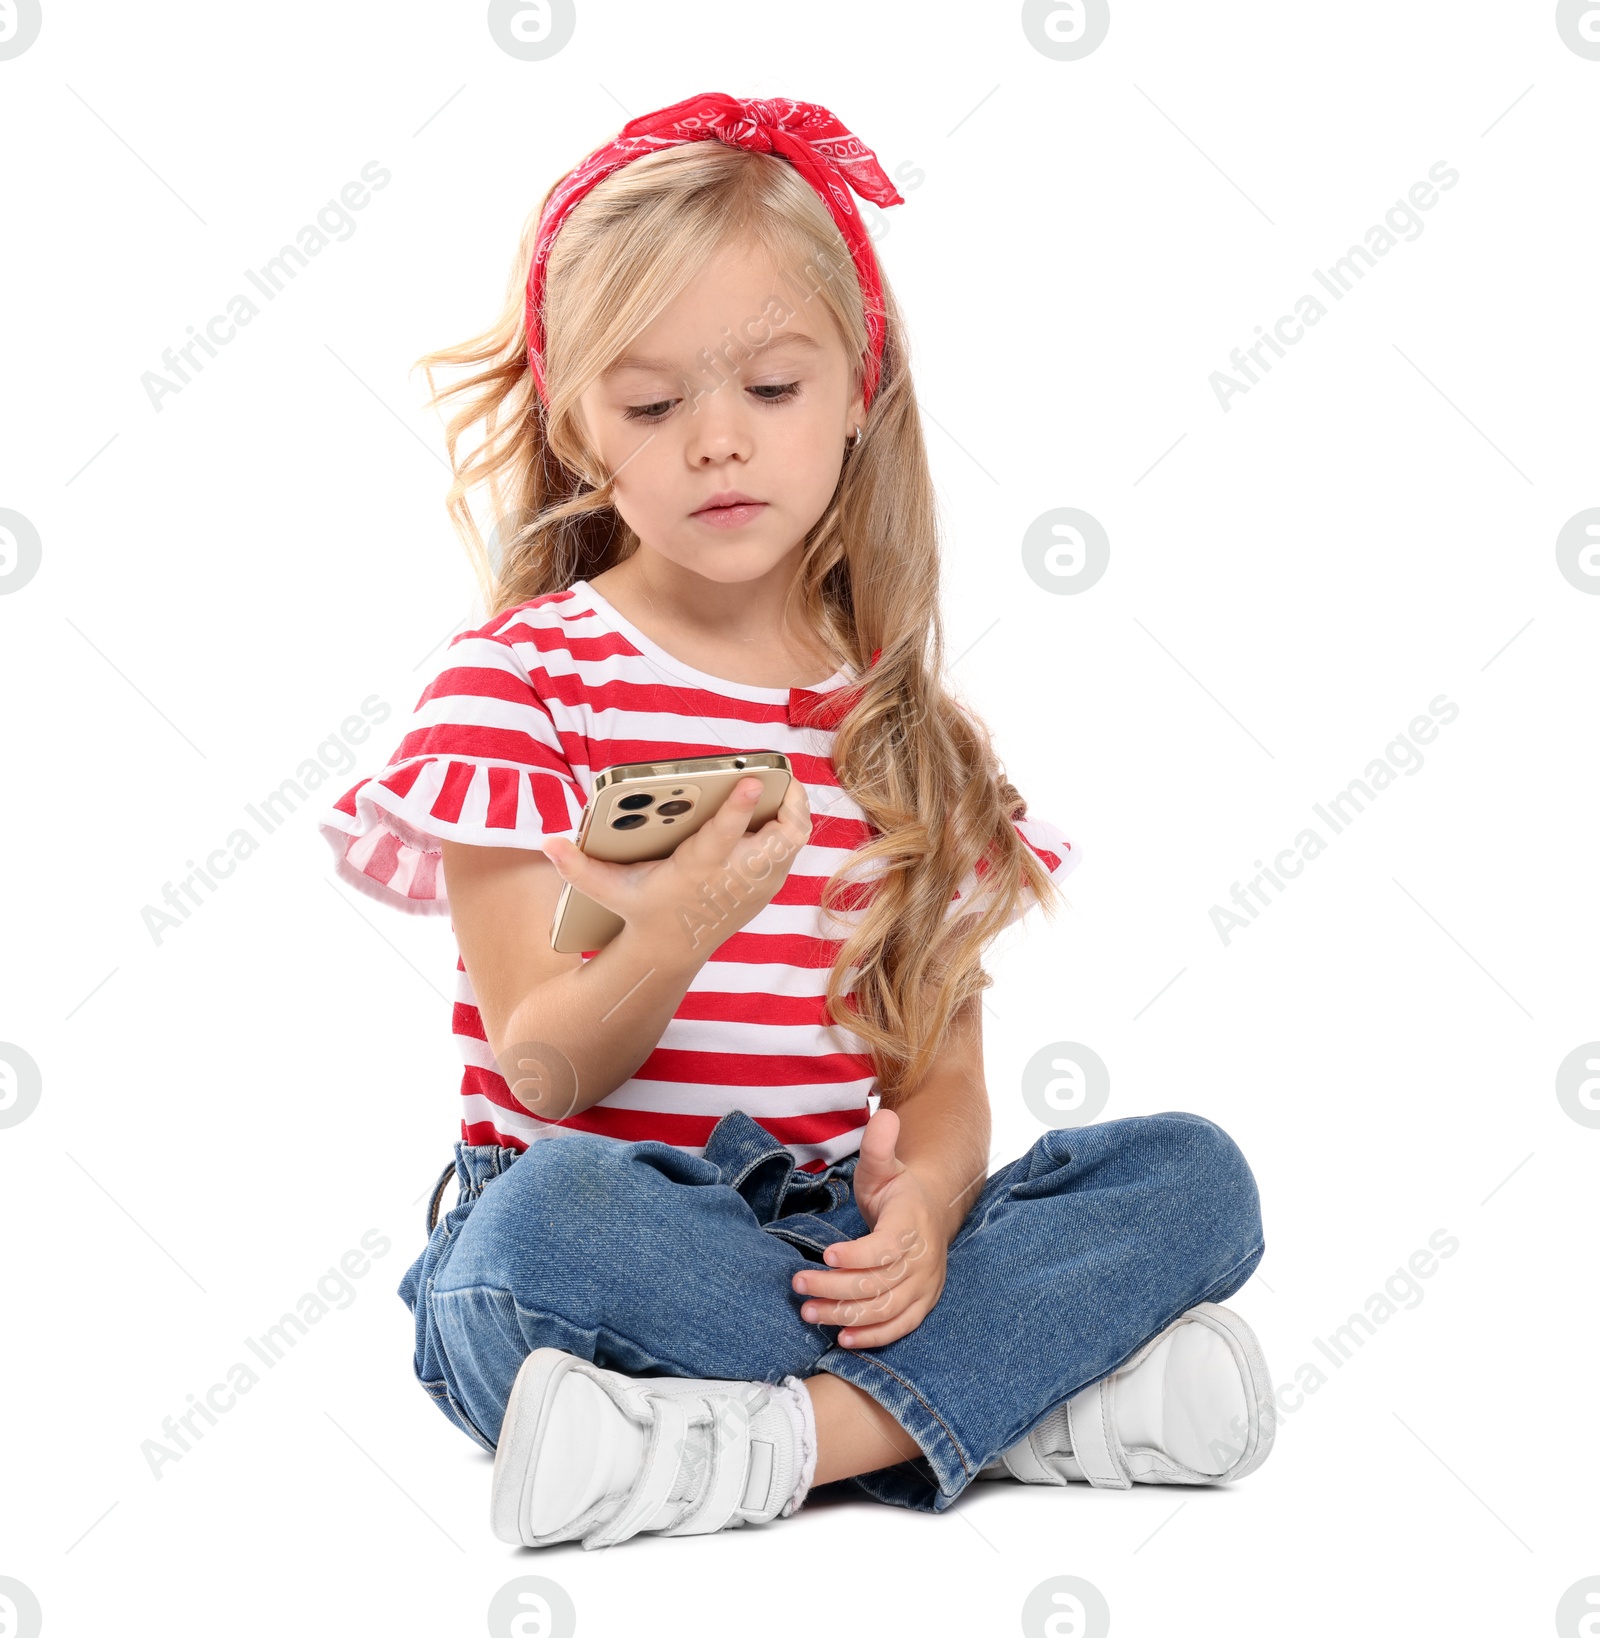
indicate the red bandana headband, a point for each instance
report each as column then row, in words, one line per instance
column 828, row 156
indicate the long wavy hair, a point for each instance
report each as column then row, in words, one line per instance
column 919, row 764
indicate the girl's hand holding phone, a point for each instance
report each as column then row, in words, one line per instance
column 713, row 883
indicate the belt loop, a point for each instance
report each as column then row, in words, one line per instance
column 438, row 1191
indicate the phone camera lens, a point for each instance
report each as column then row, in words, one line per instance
column 674, row 807
column 629, row 821
column 639, row 799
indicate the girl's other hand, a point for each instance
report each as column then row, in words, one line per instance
column 711, row 885
column 882, row 1286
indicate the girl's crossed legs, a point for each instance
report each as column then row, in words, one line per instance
column 649, row 1260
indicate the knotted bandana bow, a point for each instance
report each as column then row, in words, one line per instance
column 827, row 155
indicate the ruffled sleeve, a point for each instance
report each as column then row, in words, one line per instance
column 1050, row 845
column 482, row 761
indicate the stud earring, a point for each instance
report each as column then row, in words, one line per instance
column 856, row 438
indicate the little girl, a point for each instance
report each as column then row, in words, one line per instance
column 690, row 1273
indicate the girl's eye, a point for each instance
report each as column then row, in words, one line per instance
column 788, row 390
column 648, row 412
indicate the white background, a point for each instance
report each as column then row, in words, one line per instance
column 1291, row 581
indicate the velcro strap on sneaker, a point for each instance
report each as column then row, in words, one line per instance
column 668, row 1444
column 1023, row 1460
column 726, row 1447
column 1095, row 1447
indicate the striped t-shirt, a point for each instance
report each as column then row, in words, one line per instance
column 503, row 750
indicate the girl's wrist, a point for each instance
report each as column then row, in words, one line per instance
column 662, row 948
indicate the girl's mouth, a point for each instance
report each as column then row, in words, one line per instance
column 730, row 517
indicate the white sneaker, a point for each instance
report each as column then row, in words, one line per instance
column 597, row 1455
column 1193, row 1406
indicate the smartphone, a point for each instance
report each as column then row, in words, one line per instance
column 643, row 810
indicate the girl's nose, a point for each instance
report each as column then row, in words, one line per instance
column 718, row 424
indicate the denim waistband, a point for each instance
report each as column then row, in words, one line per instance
column 475, row 1165
column 748, row 1156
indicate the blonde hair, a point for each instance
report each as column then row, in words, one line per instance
column 921, row 766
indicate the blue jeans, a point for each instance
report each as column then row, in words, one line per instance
column 649, row 1260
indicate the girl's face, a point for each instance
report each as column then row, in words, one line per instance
column 731, row 391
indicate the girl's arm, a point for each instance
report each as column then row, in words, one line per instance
column 568, row 1032
column 945, row 1121
column 602, row 1017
